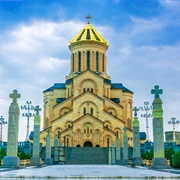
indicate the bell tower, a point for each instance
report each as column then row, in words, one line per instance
column 88, row 52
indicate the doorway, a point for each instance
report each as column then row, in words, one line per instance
column 88, row 144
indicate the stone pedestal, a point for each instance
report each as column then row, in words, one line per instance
column 35, row 161
column 48, row 161
column 118, row 152
column 137, row 161
column 11, row 162
column 159, row 163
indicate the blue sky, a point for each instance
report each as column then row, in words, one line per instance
column 144, row 48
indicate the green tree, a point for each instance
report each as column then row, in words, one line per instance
column 176, row 162
column 2, row 153
column 148, row 154
column 169, row 154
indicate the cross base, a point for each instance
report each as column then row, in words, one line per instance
column 159, row 163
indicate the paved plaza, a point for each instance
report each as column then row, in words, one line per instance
column 88, row 171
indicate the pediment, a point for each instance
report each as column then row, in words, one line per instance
column 88, row 118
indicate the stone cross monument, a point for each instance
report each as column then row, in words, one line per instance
column 125, row 160
column 48, row 160
column 11, row 160
column 36, row 160
column 136, row 140
column 158, row 130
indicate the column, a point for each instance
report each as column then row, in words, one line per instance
column 36, row 160
column 136, row 141
column 48, row 160
column 118, row 151
column 125, row 148
column 56, row 151
column 113, row 155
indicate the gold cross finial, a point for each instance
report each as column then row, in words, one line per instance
column 88, row 17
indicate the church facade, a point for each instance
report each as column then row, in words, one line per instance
column 88, row 110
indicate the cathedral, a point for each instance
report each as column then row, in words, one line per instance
column 87, row 110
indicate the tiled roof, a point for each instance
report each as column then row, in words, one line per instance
column 119, row 86
column 56, row 86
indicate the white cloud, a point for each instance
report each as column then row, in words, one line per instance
column 35, row 55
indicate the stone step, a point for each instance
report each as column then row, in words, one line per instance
column 87, row 155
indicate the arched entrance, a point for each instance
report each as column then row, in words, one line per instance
column 88, row 144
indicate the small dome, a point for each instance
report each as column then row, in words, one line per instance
column 88, row 33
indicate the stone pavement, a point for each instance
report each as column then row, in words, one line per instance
column 87, row 171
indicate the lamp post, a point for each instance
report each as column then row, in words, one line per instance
column 146, row 115
column 28, row 108
column 173, row 121
column 2, row 122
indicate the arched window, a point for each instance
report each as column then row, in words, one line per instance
column 92, row 90
column 91, row 111
column 79, row 61
column 97, row 61
column 108, row 142
column 68, row 92
column 84, row 110
column 107, row 92
column 59, row 134
column 117, row 134
column 103, row 64
column 67, row 142
column 73, row 62
column 88, row 59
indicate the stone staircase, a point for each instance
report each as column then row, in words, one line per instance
column 86, row 155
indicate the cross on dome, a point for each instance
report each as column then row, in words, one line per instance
column 88, row 17
column 14, row 96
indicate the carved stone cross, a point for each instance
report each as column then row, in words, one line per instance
column 14, row 96
column 48, row 131
column 156, row 91
column 135, row 111
column 37, row 109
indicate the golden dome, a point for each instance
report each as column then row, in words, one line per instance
column 88, row 33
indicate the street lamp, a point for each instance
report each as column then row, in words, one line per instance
column 2, row 122
column 28, row 108
column 173, row 121
column 146, row 115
